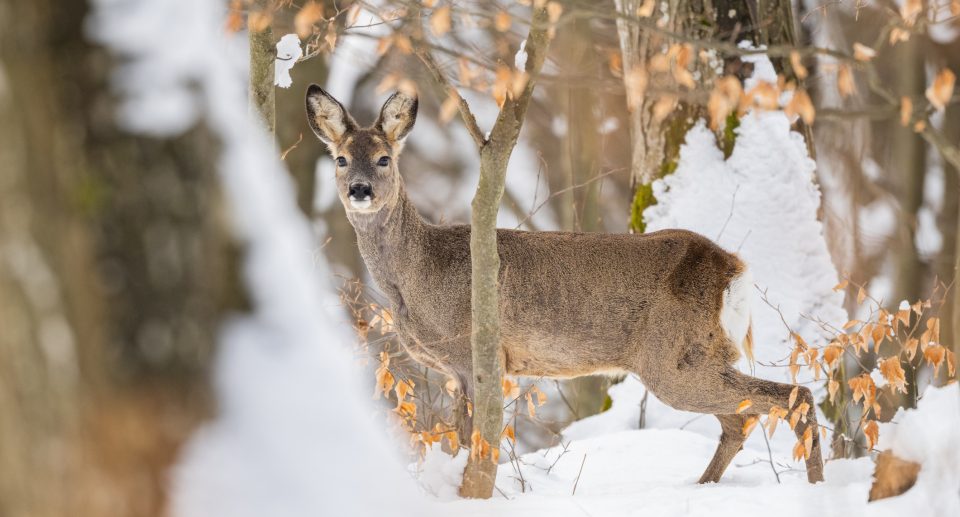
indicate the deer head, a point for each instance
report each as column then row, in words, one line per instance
column 368, row 179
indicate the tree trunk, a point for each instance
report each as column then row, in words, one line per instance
column 949, row 225
column 481, row 471
column 263, row 53
column 580, row 142
column 113, row 277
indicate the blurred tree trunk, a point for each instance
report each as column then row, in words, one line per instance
column 949, row 228
column 908, row 165
column 114, row 272
column 581, row 147
column 656, row 143
column 908, row 170
column 262, row 56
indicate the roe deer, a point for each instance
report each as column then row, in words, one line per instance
column 670, row 306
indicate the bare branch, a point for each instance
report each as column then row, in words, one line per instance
column 423, row 52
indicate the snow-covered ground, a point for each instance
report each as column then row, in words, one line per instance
column 653, row 472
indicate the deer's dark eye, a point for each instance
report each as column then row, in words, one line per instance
column 341, row 161
column 384, row 161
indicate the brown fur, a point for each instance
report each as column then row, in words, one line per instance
column 571, row 304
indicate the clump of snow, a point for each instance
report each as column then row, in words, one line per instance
column 520, row 58
column 288, row 52
column 441, row 474
column 928, row 436
column 760, row 203
column 878, row 377
column 293, row 435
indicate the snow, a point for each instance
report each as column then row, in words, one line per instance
column 288, row 52
column 520, row 58
column 927, row 435
column 760, row 203
column 293, row 433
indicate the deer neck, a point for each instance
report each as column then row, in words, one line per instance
column 389, row 240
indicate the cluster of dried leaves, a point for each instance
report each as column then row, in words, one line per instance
column 895, row 338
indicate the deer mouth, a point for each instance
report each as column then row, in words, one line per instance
column 360, row 204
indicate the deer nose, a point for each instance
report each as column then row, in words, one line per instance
column 360, row 191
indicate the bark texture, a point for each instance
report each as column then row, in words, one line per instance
column 263, row 53
column 480, row 474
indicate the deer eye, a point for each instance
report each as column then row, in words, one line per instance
column 384, row 161
column 341, row 161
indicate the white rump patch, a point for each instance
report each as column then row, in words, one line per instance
column 735, row 311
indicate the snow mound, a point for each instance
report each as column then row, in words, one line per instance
column 760, row 203
column 928, row 436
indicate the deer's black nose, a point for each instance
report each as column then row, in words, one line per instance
column 360, row 191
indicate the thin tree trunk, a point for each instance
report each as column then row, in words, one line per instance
column 480, row 474
column 949, row 228
column 262, row 56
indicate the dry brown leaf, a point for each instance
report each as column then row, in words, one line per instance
column 724, row 99
column 801, row 105
column 743, row 406
column 872, row 431
column 749, row 424
column 797, row 64
column 440, row 21
column 449, row 107
column 863, row 52
column 807, row 442
column 934, row 354
column 845, row 83
column 354, row 13
column 941, row 90
column 764, row 96
column 510, row 434
column 511, row 390
column 502, row 21
column 663, row 107
column 793, row 397
column 910, row 10
column 842, row 285
column 646, row 9
column 898, row 35
column 861, row 295
column 331, row 39
column 309, row 14
column 892, row 371
column 636, row 85
column 259, row 21
column 832, row 388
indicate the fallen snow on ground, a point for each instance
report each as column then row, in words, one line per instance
column 653, row 472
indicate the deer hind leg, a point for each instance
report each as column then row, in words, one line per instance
column 731, row 442
column 731, row 387
column 721, row 392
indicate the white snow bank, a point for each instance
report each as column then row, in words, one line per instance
column 294, row 434
column 288, row 52
column 441, row 474
column 928, row 436
column 762, row 204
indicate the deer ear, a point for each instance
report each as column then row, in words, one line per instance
column 398, row 115
column 327, row 117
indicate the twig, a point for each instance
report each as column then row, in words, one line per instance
column 770, row 455
column 469, row 120
column 575, row 483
